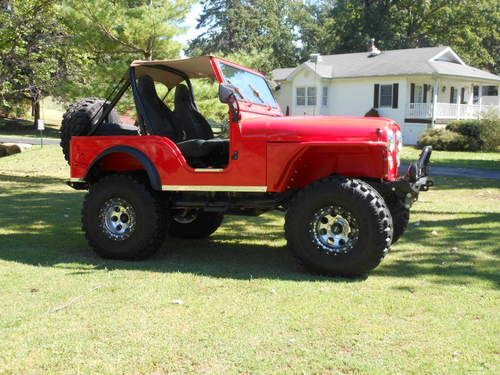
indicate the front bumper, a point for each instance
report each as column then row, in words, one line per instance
column 416, row 180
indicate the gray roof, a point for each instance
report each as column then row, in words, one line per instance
column 281, row 73
column 416, row 61
column 446, row 68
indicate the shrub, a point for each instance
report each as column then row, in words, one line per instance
column 441, row 139
column 466, row 135
column 470, row 129
column 485, row 131
column 490, row 130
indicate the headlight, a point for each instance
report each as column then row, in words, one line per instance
column 390, row 161
column 399, row 140
column 391, row 138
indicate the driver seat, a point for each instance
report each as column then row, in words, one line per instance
column 185, row 126
column 200, row 147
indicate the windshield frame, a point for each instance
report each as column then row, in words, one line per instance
column 248, row 105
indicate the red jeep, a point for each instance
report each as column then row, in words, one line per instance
column 336, row 177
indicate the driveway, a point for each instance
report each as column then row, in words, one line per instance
column 29, row 140
column 436, row 170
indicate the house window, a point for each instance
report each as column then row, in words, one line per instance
column 301, row 96
column 490, row 91
column 324, row 96
column 386, row 95
column 311, row 96
column 453, row 95
column 419, row 94
column 306, row 95
column 475, row 95
column 462, row 96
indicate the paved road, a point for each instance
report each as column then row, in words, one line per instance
column 31, row 141
column 436, row 170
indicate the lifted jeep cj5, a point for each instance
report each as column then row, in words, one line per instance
column 336, row 177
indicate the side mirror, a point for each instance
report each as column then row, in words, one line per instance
column 226, row 92
column 227, row 95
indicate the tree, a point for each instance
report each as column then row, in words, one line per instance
column 110, row 34
column 33, row 52
column 235, row 26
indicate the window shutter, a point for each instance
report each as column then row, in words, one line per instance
column 426, row 87
column 462, row 95
column 412, row 93
column 452, row 94
column 395, row 99
column 376, row 88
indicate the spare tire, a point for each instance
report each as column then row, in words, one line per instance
column 79, row 119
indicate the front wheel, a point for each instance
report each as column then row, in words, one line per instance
column 123, row 219
column 400, row 217
column 339, row 226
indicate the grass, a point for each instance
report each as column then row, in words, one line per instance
column 23, row 128
column 488, row 160
column 432, row 306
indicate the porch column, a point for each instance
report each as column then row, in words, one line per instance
column 434, row 101
column 480, row 98
column 459, row 101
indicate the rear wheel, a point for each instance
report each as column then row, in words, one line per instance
column 194, row 223
column 339, row 226
column 123, row 219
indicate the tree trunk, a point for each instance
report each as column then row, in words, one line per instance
column 35, row 110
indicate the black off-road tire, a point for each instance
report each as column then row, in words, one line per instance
column 202, row 226
column 400, row 218
column 151, row 220
column 365, row 205
column 79, row 118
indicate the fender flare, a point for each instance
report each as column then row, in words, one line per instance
column 153, row 175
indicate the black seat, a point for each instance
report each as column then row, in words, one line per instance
column 188, row 119
column 185, row 126
column 200, row 147
column 157, row 117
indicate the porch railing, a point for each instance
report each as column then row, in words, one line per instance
column 446, row 110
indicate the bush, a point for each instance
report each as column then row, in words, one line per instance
column 490, row 130
column 446, row 140
column 466, row 135
column 470, row 129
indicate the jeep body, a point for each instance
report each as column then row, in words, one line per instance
column 269, row 159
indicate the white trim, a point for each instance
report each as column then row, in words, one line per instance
column 249, row 189
column 209, row 170
column 300, row 68
column 74, row 179
column 446, row 50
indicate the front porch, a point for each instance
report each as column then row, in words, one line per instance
column 446, row 111
column 443, row 100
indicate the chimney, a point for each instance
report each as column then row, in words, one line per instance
column 373, row 51
column 315, row 58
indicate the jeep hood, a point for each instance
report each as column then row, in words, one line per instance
column 317, row 128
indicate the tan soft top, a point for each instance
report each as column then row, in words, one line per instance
column 195, row 67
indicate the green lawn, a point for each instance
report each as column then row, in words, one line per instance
column 490, row 160
column 24, row 128
column 431, row 307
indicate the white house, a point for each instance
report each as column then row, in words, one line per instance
column 418, row 88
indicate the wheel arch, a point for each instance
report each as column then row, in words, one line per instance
column 132, row 153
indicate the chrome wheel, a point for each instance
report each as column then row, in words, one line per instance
column 185, row 216
column 334, row 230
column 117, row 219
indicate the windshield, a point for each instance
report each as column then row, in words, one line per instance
column 249, row 87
